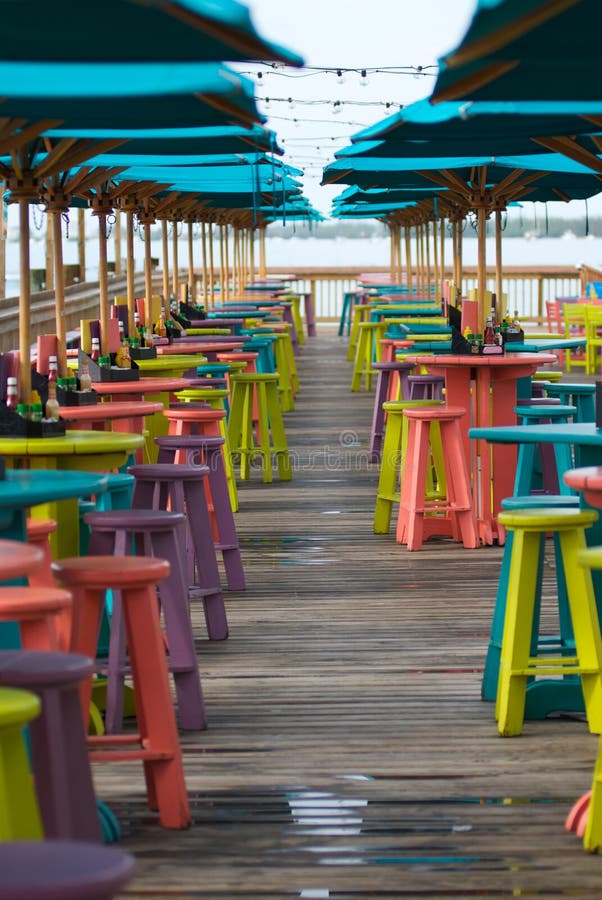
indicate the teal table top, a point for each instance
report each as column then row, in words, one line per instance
column 29, row 487
column 581, row 433
column 536, row 345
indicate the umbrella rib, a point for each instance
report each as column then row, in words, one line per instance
column 570, row 148
column 71, row 152
column 507, row 33
column 27, row 134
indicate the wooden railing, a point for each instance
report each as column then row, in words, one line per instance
column 527, row 290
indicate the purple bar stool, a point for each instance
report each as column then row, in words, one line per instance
column 150, row 533
column 426, row 387
column 182, row 487
column 59, row 749
column 207, row 450
column 62, row 870
column 385, row 372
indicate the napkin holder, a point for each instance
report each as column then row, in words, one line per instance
column 112, row 373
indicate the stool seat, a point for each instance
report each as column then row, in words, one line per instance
column 18, row 559
column 149, row 519
column 168, row 472
column 62, row 870
column 25, row 668
column 552, row 519
column 17, row 707
column 102, row 572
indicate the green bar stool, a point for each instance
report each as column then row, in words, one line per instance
column 259, row 391
column 517, row 662
column 19, row 811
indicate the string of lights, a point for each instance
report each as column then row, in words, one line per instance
column 341, row 71
column 293, row 101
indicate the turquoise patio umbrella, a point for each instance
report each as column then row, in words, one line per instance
column 525, row 50
column 134, row 31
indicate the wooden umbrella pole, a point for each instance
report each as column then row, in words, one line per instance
column 418, row 257
column 498, row 264
column 24, row 303
column 59, row 290
column 391, row 253
column 221, row 261
column 211, row 267
column 436, row 271
column 235, row 255
column 408, row 243
column 227, row 258
column 49, row 276
column 165, row 255
column 103, row 284
column 427, row 247
column 190, row 261
column 481, row 264
column 442, row 244
column 175, row 264
column 148, row 276
column 129, row 270
column 251, row 255
column 81, row 243
column 460, row 273
column 262, row 264
column 399, row 255
column 117, row 236
column 204, row 262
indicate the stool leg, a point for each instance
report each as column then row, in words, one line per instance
column 386, row 493
column 156, row 718
column 359, row 360
column 518, row 626
column 586, row 625
column 263, row 426
column 378, row 415
column 222, row 511
column 592, row 838
column 274, row 415
column 19, row 812
column 173, row 595
column 207, row 571
column 410, row 523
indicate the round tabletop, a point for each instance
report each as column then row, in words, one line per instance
column 588, row 480
column 151, row 385
column 500, row 361
column 198, row 347
column 18, row 559
column 110, row 409
column 30, row 487
column 73, row 443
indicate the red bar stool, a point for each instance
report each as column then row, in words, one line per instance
column 157, row 742
column 38, row 533
column 420, row 517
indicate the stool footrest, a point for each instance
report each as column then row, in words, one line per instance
column 129, row 755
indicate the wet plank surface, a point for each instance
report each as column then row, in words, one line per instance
column 348, row 753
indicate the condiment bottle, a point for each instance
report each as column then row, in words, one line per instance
column 52, row 405
column 85, row 381
column 53, row 369
column 95, row 352
column 12, row 393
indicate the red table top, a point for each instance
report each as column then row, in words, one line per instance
column 527, row 360
column 110, row 409
column 142, row 386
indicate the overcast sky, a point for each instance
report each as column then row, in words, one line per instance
column 354, row 34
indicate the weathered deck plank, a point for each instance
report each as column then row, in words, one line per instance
column 348, row 752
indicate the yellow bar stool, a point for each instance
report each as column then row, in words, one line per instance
column 259, row 391
column 392, row 461
column 361, row 313
column 585, row 817
column 295, row 301
column 519, row 659
column 368, row 350
column 19, row 811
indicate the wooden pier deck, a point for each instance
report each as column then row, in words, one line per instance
column 348, row 753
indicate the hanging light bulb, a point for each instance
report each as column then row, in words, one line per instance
column 336, row 106
column 267, row 101
column 418, row 72
column 291, row 103
column 340, row 77
column 364, row 78
column 259, row 76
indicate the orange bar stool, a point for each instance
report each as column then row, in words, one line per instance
column 260, row 389
column 420, row 517
column 19, row 560
column 189, row 419
column 38, row 534
column 249, row 359
column 43, row 614
column 158, row 746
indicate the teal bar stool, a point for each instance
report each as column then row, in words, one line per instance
column 541, row 696
column 346, row 313
column 540, row 466
column 580, row 395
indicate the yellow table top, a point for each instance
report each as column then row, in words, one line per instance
column 84, row 450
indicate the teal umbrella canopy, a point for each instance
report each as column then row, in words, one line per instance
column 185, row 142
column 126, row 95
column 527, row 50
column 475, row 128
column 130, row 30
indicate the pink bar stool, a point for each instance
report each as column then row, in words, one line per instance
column 156, row 745
column 38, row 534
column 420, row 517
column 150, row 533
column 182, row 489
column 207, row 451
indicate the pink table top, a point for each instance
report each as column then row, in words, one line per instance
column 199, row 346
column 588, row 480
column 524, row 360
